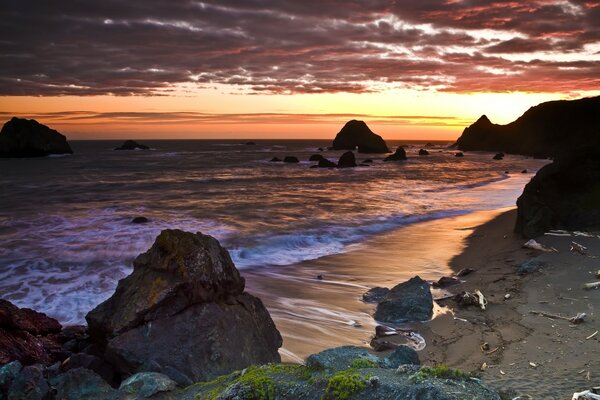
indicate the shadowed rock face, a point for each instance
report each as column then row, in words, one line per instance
column 356, row 134
column 183, row 312
column 546, row 130
column 562, row 195
column 28, row 138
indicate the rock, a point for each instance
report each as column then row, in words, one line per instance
column 325, row 163
column 347, row 160
column 321, row 149
column 340, row 358
column 498, row 156
column 524, row 171
column 382, row 344
column 28, row 336
column 399, row 155
column 375, row 295
column 183, row 309
column 28, row 138
column 140, row 220
column 250, row 143
column 364, row 165
column 81, row 384
column 132, row 145
column 91, row 362
column 445, row 281
column 147, row 384
column 8, row 373
column 275, row 159
column 179, row 270
column 459, row 154
column 368, row 161
column 423, row 152
column 29, row 384
column 549, row 129
column 316, row 157
column 464, row 272
column 407, row 301
column 357, row 135
column 290, row 159
column 529, row 266
column 403, row 355
column 562, row 195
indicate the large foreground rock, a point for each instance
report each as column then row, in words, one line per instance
column 183, row 312
column 356, row 134
column 407, row 301
column 562, row 195
column 28, row 138
column 549, row 129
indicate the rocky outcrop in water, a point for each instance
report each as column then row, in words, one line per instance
column 347, row 160
column 28, row 138
column 562, row 195
column 325, row 163
column 407, row 301
column 549, row 129
column 183, row 312
column 357, row 135
column 290, row 159
column 423, row 152
column 399, row 155
column 132, row 145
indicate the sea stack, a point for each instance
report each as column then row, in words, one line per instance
column 132, row 145
column 183, row 312
column 357, row 135
column 28, row 138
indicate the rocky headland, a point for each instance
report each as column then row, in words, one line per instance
column 20, row 138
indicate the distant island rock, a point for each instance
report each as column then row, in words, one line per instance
column 28, row 138
column 546, row 130
column 183, row 312
column 357, row 135
column 132, row 145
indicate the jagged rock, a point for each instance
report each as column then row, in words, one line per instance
column 375, row 295
column 28, row 336
column 399, row 155
column 325, row 163
column 276, row 159
column 28, row 138
column 347, row 160
column 81, row 384
column 146, row 384
column 357, row 135
column 562, row 195
column 29, row 384
column 316, row 157
column 407, row 301
column 423, row 152
column 132, row 145
column 183, row 309
column 549, row 129
column 291, row 159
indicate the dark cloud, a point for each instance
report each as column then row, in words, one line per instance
column 77, row 47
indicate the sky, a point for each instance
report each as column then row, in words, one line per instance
column 290, row 69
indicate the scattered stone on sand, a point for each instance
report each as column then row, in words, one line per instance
column 445, row 281
column 375, row 295
column 399, row 155
column 275, row 159
column 28, row 138
column 183, row 312
column 407, row 301
column 132, row 145
column 140, row 220
column 423, row 152
column 529, row 266
column 316, row 157
column 357, row 135
column 347, row 160
column 325, row 163
column 290, row 159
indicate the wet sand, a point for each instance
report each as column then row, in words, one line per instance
column 315, row 314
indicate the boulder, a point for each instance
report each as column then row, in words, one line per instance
column 132, row 145
column 146, row 384
column 423, row 152
column 81, row 384
column 407, row 301
column 28, row 138
column 399, row 155
column 549, row 129
column 316, row 157
column 459, row 154
column 403, row 355
column 445, row 281
column 325, row 163
column 347, row 160
column 498, row 156
column 275, row 159
column 357, row 135
column 290, row 159
column 375, row 295
column 562, row 195
column 29, row 384
column 183, row 312
column 340, row 358
column 28, row 336
column 8, row 373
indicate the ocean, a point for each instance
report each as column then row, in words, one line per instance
column 67, row 236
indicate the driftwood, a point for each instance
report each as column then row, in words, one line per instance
column 578, row 248
column 585, row 395
column 577, row 319
column 472, row 299
column 532, row 244
column 591, row 285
